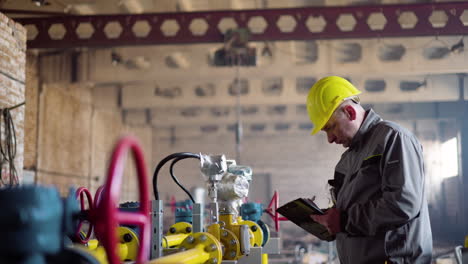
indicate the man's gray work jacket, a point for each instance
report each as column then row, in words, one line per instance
column 379, row 185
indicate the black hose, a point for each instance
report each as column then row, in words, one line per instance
column 175, row 179
column 8, row 147
column 161, row 164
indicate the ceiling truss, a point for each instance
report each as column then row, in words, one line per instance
column 433, row 19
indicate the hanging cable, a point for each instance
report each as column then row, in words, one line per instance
column 175, row 179
column 238, row 115
column 161, row 164
column 8, row 146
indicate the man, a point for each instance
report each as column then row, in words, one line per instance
column 381, row 213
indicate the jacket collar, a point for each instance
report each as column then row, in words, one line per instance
column 369, row 122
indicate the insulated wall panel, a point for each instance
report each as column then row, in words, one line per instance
column 31, row 112
column 64, row 132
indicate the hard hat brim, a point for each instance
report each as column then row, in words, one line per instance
column 314, row 131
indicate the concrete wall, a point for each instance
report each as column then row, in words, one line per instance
column 12, row 86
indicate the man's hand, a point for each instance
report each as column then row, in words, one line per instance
column 331, row 220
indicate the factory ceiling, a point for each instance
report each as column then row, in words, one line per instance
column 180, row 84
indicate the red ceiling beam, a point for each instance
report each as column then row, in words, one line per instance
column 456, row 24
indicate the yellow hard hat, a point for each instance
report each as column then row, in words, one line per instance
column 325, row 96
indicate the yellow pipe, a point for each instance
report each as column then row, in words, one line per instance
column 122, row 251
column 173, row 240
column 100, row 253
column 264, row 258
column 93, row 244
column 196, row 255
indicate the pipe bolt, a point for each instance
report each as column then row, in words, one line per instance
column 190, row 239
column 127, row 238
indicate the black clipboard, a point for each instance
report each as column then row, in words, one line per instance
column 299, row 211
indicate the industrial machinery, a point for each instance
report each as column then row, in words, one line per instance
column 243, row 240
column 38, row 223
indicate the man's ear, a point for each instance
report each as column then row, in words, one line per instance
column 350, row 112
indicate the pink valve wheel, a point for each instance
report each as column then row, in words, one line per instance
column 107, row 217
column 80, row 193
column 271, row 210
column 97, row 195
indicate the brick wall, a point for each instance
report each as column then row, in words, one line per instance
column 12, row 83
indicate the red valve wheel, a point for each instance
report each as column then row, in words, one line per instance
column 97, row 195
column 271, row 210
column 80, row 193
column 106, row 215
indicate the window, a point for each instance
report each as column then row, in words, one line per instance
column 449, row 158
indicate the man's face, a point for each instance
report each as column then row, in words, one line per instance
column 340, row 129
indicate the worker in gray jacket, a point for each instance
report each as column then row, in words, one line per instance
column 380, row 213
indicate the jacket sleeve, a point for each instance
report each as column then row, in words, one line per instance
column 402, row 189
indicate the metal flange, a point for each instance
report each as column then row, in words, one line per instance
column 129, row 238
column 231, row 245
column 208, row 242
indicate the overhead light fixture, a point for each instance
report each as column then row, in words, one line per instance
column 177, row 60
column 436, row 53
column 236, row 50
column 169, row 92
column 116, row 58
column 184, row 5
column 408, row 86
column 82, row 9
column 131, row 6
column 266, row 51
column 440, row 52
column 391, row 52
column 40, row 2
column 138, row 63
column 135, row 63
column 375, row 85
column 458, row 47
